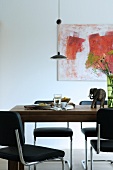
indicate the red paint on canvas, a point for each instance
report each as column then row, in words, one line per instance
column 95, row 43
column 100, row 46
column 74, row 45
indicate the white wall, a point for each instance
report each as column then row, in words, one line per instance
column 28, row 40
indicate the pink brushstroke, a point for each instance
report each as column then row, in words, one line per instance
column 74, row 45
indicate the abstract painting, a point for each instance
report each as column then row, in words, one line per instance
column 85, row 47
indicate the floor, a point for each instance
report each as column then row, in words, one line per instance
column 78, row 155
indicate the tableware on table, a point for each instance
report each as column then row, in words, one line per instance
column 69, row 107
column 38, row 107
column 63, row 105
column 65, row 99
column 57, row 100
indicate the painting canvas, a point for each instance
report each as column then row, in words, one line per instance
column 85, row 47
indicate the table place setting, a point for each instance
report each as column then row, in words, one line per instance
column 58, row 104
column 62, row 103
column 67, row 107
column 41, row 106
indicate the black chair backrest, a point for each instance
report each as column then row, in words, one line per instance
column 85, row 102
column 89, row 102
column 9, row 122
column 105, row 119
column 43, row 101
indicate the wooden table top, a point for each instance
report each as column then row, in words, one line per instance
column 81, row 113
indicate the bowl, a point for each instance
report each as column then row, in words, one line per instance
column 65, row 99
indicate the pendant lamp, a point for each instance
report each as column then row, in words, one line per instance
column 58, row 55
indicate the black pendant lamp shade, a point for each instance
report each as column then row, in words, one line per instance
column 58, row 55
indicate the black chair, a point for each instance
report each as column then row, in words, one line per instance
column 12, row 137
column 54, row 132
column 104, row 142
column 88, row 132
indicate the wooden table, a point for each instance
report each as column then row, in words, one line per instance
column 79, row 114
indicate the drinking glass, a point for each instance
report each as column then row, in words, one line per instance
column 57, row 100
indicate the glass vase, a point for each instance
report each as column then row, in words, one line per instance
column 110, row 90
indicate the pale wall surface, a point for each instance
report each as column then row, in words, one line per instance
column 28, row 40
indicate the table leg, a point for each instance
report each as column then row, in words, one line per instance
column 21, row 166
column 12, row 165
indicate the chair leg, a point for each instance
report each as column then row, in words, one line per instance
column 35, row 167
column 66, row 161
column 34, row 141
column 35, row 144
column 91, row 158
column 71, row 154
column 86, row 162
column 62, row 163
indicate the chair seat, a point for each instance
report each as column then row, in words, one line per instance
column 53, row 132
column 89, row 131
column 30, row 153
column 105, row 145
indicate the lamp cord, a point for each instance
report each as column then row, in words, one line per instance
column 58, row 9
column 58, row 56
column 58, row 26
